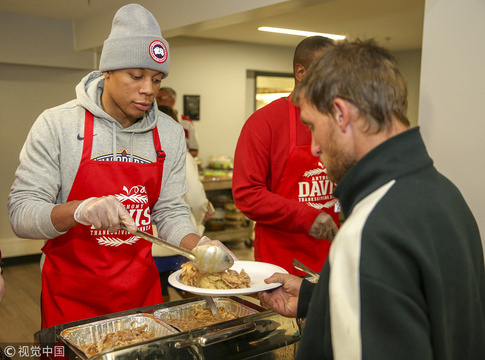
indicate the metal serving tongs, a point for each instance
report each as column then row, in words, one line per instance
column 299, row 266
column 212, row 305
column 208, row 258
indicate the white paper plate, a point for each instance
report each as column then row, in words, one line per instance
column 257, row 271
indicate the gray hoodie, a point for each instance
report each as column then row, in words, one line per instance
column 51, row 155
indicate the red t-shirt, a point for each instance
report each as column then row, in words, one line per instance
column 260, row 158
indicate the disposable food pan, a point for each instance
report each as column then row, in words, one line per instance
column 187, row 311
column 80, row 337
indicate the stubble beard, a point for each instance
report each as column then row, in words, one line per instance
column 337, row 161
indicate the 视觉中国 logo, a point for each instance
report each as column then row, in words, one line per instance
column 158, row 51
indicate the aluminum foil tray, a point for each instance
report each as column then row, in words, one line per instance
column 77, row 338
column 186, row 311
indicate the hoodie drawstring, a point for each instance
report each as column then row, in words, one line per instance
column 131, row 147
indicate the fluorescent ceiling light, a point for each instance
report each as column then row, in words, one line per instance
column 299, row 32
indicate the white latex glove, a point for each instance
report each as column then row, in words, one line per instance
column 324, row 227
column 104, row 213
column 206, row 241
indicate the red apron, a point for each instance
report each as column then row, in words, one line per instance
column 89, row 272
column 305, row 180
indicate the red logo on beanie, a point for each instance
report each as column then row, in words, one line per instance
column 158, row 51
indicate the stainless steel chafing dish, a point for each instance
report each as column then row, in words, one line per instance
column 257, row 334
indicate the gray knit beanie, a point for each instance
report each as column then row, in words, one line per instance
column 135, row 41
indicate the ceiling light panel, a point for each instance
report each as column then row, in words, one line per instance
column 299, row 32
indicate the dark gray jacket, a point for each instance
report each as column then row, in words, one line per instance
column 405, row 277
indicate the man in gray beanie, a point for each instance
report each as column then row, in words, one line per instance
column 107, row 157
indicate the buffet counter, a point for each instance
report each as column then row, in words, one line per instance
column 256, row 333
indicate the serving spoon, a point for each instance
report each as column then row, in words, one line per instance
column 208, row 258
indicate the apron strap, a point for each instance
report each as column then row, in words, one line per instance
column 88, row 135
column 158, row 147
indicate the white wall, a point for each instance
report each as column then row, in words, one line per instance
column 452, row 90
column 26, row 92
column 410, row 66
column 30, row 40
column 216, row 70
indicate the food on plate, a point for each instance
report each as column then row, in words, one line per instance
column 119, row 338
column 228, row 279
column 200, row 318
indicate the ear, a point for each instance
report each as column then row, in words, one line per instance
column 341, row 113
column 299, row 72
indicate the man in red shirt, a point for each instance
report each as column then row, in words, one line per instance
column 280, row 185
